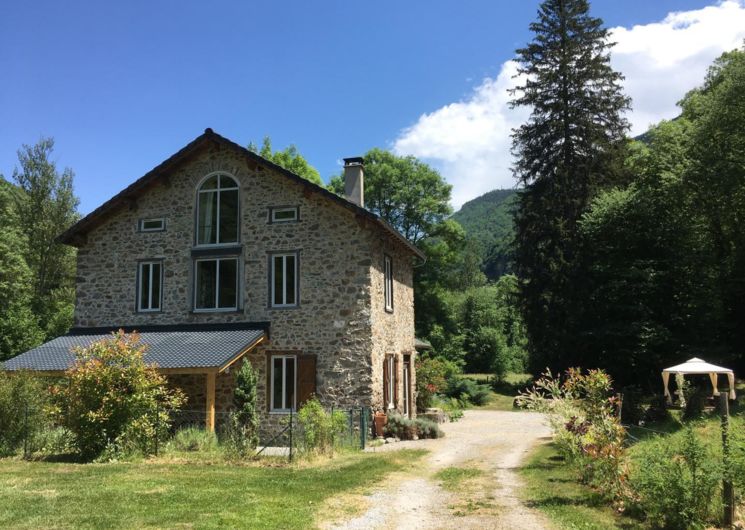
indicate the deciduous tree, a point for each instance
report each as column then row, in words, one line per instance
column 289, row 158
column 46, row 207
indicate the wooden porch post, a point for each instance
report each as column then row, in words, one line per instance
column 210, row 419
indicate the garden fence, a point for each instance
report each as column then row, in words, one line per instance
column 281, row 435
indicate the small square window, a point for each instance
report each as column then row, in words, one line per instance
column 152, row 225
column 284, row 215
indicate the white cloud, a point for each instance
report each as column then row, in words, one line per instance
column 469, row 140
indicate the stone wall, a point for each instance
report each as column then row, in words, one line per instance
column 393, row 332
column 339, row 260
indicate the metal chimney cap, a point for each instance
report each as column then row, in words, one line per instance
column 354, row 161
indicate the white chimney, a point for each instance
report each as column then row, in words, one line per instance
column 354, row 181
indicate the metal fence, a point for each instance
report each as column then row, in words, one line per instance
column 279, row 434
column 284, row 434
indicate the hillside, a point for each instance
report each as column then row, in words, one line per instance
column 488, row 221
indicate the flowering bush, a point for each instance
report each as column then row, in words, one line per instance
column 432, row 375
column 112, row 401
column 583, row 415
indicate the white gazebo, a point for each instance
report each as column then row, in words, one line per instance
column 698, row 366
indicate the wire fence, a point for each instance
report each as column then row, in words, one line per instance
column 280, row 434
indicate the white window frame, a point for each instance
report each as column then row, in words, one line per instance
column 275, row 211
column 218, row 190
column 407, row 388
column 272, row 286
column 388, row 282
column 283, row 408
column 140, row 274
column 161, row 228
column 217, row 308
column 390, row 364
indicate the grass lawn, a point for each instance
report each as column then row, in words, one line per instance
column 551, row 486
column 504, row 395
column 162, row 493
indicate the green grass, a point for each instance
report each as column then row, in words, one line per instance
column 551, row 486
column 452, row 478
column 505, row 391
column 163, row 494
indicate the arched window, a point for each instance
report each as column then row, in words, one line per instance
column 217, row 210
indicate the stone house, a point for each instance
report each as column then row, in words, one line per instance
column 218, row 256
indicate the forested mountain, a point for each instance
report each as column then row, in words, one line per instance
column 488, row 222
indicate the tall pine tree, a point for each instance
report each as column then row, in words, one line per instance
column 568, row 149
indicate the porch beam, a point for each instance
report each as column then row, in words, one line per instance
column 210, row 418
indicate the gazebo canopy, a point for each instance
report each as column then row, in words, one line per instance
column 699, row 366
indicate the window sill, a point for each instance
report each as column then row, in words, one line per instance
column 215, row 251
column 282, row 412
column 389, row 310
column 214, row 311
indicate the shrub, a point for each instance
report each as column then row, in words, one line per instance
column 401, row 427
column 24, row 414
column 452, row 407
column 675, row 484
column 242, row 430
column 23, row 411
column 468, row 391
column 113, row 401
column 404, row 428
column 632, row 411
column 583, row 415
column 695, row 402
column 432, row 374
column 428, row 429
column 657, row 411
column 193, row 439
column 319, row 429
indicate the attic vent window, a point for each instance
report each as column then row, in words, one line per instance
column 284, row 215
column 152, row 225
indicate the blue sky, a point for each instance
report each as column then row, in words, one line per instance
column 121, row 86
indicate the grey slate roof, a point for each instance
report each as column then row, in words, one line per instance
column 421, row 344
column 198, row 346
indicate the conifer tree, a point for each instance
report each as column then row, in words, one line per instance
column 568, row 149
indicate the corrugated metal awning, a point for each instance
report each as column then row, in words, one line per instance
column 169, row 347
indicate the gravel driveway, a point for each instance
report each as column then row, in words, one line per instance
column 493, row 442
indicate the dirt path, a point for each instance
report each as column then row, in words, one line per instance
column 492, row 442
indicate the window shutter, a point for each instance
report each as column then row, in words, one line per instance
column 268, row 382
column 395, row 381
column 385, row 382
column 306, row 378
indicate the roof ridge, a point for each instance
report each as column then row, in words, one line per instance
column 88, row 222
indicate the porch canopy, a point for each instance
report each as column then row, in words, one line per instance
column 207, row 349
column 698, row 366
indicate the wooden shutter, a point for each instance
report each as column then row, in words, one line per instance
column 385, row 383
column 306, row 378
column 268, row 382
column 395, row 381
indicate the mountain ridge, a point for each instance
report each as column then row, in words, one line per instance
column 487, row 220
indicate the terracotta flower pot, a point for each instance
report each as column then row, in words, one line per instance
column 380, row 420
